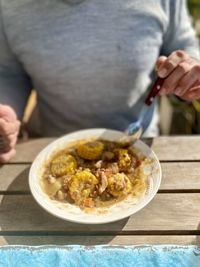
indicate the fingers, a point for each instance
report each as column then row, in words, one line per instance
column 8, row 128
column 10, row 141
column 8, row 150
column 160, row 61
column 5, row 157
column 173, row 83
column 181, row 73
column 191, row 95
column 188, row 80
column 171, row 63
column 7, row 113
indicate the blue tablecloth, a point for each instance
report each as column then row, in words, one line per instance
column 100, row 256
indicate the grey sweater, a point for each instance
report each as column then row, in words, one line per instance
column 91, row 63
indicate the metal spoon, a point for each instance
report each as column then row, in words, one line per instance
column 135, row 129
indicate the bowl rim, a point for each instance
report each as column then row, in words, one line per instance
column 92, row 130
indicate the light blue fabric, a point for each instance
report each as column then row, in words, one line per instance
column 92, row 64
column 100, row 256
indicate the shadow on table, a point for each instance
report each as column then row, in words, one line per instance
column 23, row 221
column 148, row 141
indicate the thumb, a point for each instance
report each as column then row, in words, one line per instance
column 7, row 113
column 159, row 62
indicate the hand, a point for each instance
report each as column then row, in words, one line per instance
column 183, row 75
column 9, row 130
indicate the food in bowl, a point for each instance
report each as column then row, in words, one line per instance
column 94, row 173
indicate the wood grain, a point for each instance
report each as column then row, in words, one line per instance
column 27, row 151
column 180, row 176
column 166, row 212
column 100, row 240
column 14, row 178
column 167, row 148
column 176, row 148
column 170, row 218
column 175, row 176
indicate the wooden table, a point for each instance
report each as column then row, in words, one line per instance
column 172, row 217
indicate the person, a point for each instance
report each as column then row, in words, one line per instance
column 92, row 62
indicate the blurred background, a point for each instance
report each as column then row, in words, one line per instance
column 176, row 117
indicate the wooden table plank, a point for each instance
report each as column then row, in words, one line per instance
column 27, row 151
column 167, row 148
column 176, row 176
column 181, row 175
column 177, row 148
column 166, row 212
column 171, row 218
column 14, row 178
column 100, row 240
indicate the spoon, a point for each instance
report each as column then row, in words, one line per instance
column 135, row 129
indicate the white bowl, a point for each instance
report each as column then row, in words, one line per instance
column 73, row 213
